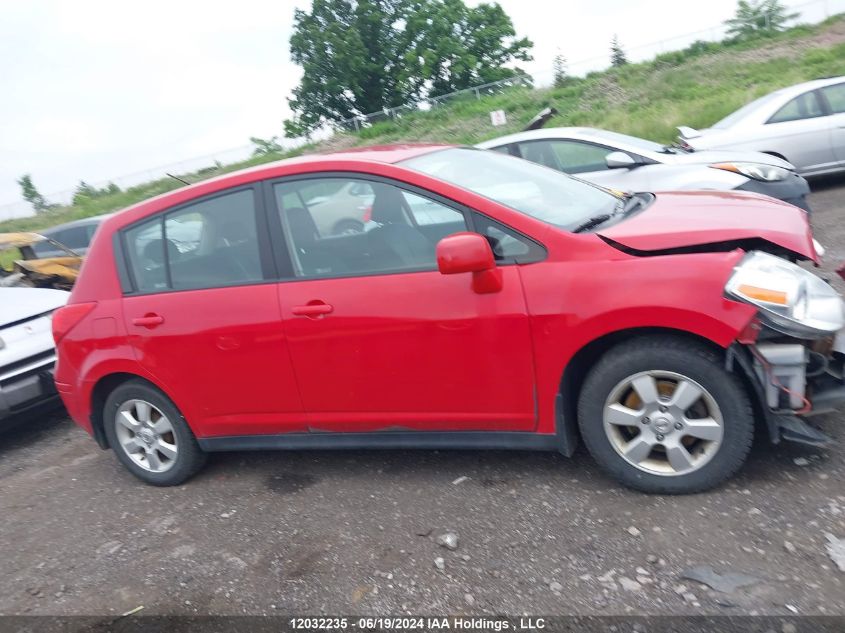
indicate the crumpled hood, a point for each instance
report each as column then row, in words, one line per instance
column 693, row 218
column 17, row 304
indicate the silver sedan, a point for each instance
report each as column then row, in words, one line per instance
column 804, row 124
column 628, row 163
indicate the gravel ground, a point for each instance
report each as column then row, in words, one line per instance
column 357, row 532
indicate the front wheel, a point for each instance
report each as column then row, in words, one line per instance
column 149, row 436
column 662, row 415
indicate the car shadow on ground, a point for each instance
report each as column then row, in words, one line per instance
column 26, row 429
column 291, row 472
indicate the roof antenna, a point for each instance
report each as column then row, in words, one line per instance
column 183, row 181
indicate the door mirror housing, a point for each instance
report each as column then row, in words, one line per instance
column 620, row 160
column 470, row 253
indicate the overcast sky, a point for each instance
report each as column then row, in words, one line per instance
column 99, row 89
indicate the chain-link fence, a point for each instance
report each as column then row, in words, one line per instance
column 810, row 12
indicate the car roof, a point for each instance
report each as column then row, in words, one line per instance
column 625, row 142
column 389, row 154
column 809, row 85
column 545, row 132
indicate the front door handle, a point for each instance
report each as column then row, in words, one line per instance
column 313, row 309
column 150, row 320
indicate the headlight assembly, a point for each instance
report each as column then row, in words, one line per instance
column 791, row 300
column 755, row 171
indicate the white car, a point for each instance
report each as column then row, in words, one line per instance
column 627, row 163
column 27, row 352
column 804, row 124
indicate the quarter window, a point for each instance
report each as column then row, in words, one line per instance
column 205, row 245
column 348, row 226
column 835, row 96
column 508, row 245
column 805, row 106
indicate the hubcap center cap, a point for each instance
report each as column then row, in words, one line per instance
column 146, row 436
column 662, row 425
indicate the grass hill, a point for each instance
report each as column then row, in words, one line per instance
column 696, row 86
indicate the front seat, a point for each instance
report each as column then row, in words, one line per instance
column 313, row 260
column 395, row 243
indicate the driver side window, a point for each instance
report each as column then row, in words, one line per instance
column 339, row 226
column 572, row 157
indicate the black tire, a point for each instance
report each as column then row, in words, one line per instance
column 348, row 227
column 190, row 457
column 693, row 360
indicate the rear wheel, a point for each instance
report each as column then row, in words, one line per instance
column 662, row 415
column 149, row 436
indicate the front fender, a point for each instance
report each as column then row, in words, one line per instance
column 572, row 304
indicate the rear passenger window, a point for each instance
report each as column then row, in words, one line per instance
column 347, row 226
column 205, row 245
column 835, row 96
column 805, row 106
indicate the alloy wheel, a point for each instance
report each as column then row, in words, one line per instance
column 663, row 423
column 146, row 435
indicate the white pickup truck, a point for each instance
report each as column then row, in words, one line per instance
column 27, row 353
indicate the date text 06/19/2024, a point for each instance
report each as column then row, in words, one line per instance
column 418, row 623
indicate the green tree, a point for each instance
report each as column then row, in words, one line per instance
column 463, row 46
column 617, row 53
column 560, row 70
column 85, row 192
column 31, row 194
column 354, row 57
column 263, row 147
column 758, row 17
column 364, row 56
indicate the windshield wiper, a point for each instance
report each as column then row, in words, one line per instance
column 632, row 202
column 592, row 222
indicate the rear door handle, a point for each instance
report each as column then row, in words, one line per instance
column 313, row 309
column 148, row 320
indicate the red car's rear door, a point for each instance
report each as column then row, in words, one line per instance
column 204, row 318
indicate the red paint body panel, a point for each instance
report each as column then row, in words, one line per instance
column 224, row 351
column 688, row 218
column 417, row 350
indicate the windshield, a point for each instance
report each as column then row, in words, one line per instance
column 532, row 189
column 744, row 111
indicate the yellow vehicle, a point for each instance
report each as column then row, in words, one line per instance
column 20, row 265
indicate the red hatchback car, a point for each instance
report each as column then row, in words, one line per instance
column 489, row 303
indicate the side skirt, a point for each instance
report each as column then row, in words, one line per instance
column 457, row 440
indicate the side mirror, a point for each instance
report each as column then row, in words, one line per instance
column 470, row 253
column 620, row 160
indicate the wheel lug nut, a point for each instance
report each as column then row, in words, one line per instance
column 679, row 426
column 659, row 437
column 646, row 420
column 662, row 409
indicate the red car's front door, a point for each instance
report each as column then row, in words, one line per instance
column 388, row 342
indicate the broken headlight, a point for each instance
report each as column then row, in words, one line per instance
column 791, row 300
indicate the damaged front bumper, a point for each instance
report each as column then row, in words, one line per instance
column 795, row 380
